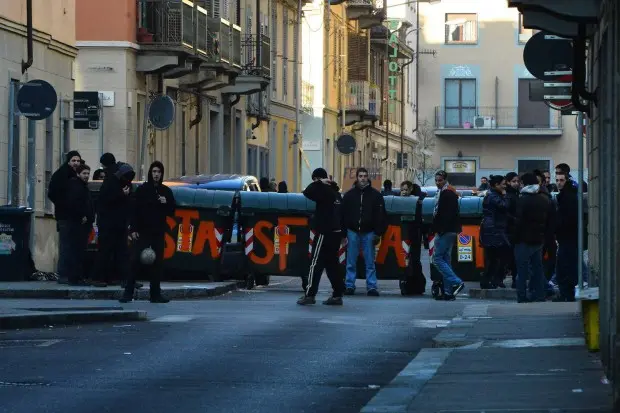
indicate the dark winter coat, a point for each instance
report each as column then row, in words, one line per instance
column 364, row 210
column 566, row 222
column 79, row 202
column 447, row 216
column 113, row 205
column 328, row 216
column 149, row 214
column 533, row 222
column 58, row 190
column 512, row 195
column 495, row 220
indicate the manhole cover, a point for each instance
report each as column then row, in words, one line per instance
column 28, row 343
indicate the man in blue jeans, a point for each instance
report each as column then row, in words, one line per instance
column 365, row 219
column 533, row 225
column 446, row 226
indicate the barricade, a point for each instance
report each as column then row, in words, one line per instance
column 197, row 233
column 277, row 235
column 393, row 252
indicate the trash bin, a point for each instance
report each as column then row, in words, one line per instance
column 392, row 253
column 201, row 225
column 15, row 257
column 467, row 254
column 276, row 233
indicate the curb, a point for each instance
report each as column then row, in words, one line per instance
column 93, row 293
column 497, row 294
column 455, row 335
column 40, row 319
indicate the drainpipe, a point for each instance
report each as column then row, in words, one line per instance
column 28, row 63
column 385, row 86
column 259, row 61
column 417, row 64
column 402, row 109
column 9, row 183
column 297, row 59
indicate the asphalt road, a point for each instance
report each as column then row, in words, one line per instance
column 247, row 351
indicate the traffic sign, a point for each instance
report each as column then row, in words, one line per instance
column 85, row 110
column 563, row 100
column 37, row 99
column 547, row 57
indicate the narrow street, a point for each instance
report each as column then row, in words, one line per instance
column 247, row 351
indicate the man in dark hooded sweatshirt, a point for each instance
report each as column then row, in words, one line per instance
column 82, row 216
column 58, row 193
column 327, row 222
column 113, row 220
column 154, row 202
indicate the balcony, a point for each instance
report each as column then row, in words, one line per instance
column 362, row 103
column 179, row 38
column 255, row 75
column 365, row 11
column 307, row 97
column 497, row 121
column 258, row 106
column 378, row 37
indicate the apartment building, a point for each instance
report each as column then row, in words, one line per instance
column 475, row 95
column 358, row 59
column 36, row 146
column 213, row 58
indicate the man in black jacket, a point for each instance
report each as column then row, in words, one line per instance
column 365, row 220
column 154, row 202
column 58, row 193
column 532, row 225
column 112, row 220
column 81, row 216
column 567, row 236
column 327, row 223
column 446, row 224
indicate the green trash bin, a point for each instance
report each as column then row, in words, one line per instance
column 467, row 253
column 276, row 235
column 15, row 257
column 392, row 253
column 201, row 226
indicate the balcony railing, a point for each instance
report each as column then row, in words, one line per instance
column 252, row 66
column 497, row 118
column 307, row 97
column 362, row 96
column 255, row 109
column 361, row 3
column 166, row 24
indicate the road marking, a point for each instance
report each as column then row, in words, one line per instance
column 538, row 342
column 400, row 392
column 430, row 323
column 48, row 343
column 28, row 343
column 173, row 319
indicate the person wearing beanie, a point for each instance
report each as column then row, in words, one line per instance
column 58, row 193
column 327, row 224
column 532, row 225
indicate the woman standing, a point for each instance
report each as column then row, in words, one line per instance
column 513, row 186
column 494, row 233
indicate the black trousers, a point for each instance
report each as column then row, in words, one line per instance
column 153, row 271
column 324, row 256
column 496, row 259
column 551, row 249
column 113, row 255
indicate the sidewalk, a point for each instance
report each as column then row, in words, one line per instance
column 503, row 357
column 172, row 290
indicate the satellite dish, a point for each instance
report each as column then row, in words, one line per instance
column 37, row 99
column 161, row 112
column 542, row 55
column 346, row 144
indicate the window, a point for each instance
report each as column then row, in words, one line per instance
column 49, row 160
column 460, row 102
column 263, row 154
column 251, row 160
column 274, row 49
column 461, row 28
column 284, row 52
column 528, row 165
column 525, row 34
column 531, row 114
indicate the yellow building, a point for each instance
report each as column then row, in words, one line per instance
column 357, row 61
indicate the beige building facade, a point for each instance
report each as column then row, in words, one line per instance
column 54, row 55
column 474, row 96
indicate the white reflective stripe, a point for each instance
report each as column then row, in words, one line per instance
column 248, row 249
column 317, row 250
column 249, row 234
column 405, row 247
column 218, row 235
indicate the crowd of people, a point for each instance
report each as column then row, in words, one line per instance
column 130, row 225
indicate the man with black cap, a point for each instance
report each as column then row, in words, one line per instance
column 154, row 203
column 327, row 224
column 58, row 193
column 113, row 221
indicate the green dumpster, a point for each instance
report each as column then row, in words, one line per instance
column 392, row 253
column 197, row 233
column 276, row 235
column 467, row 254
column 14, row 243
